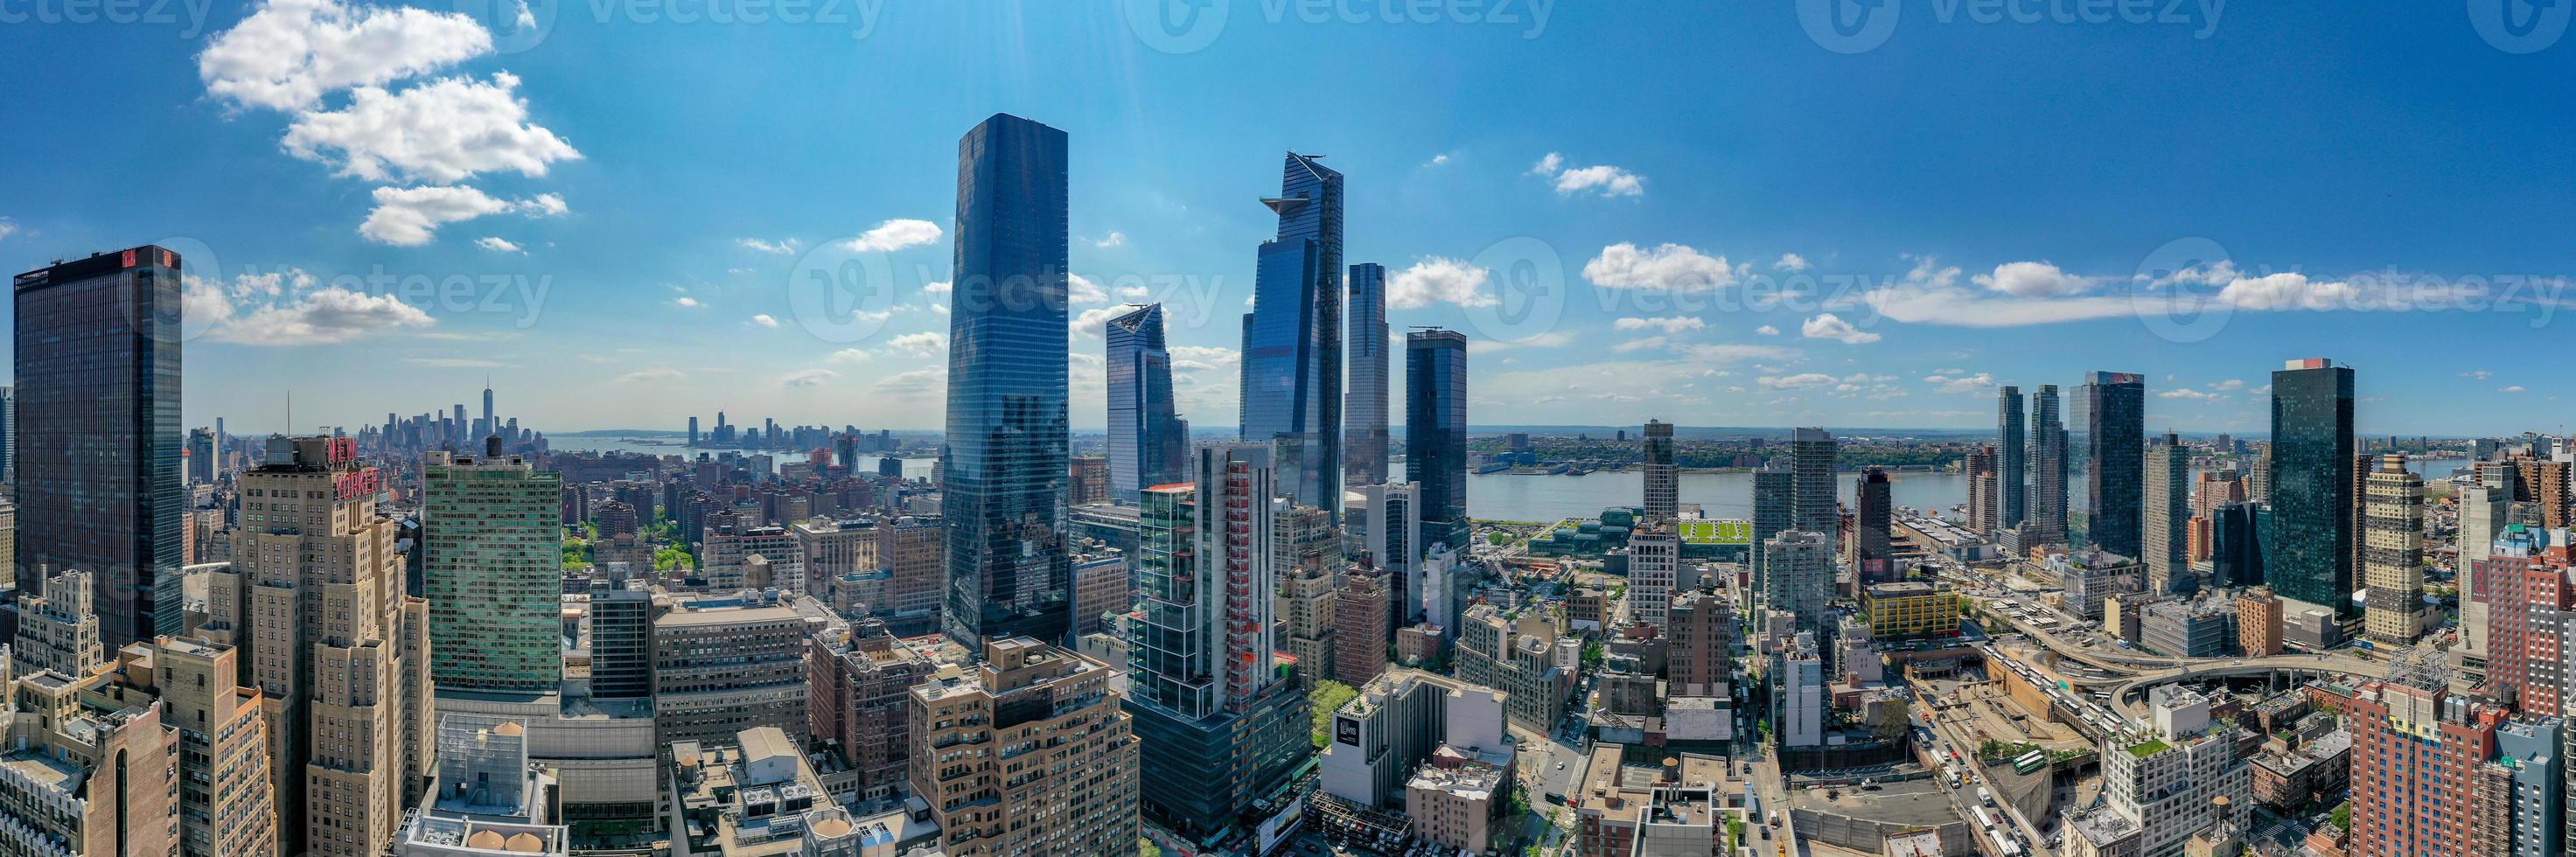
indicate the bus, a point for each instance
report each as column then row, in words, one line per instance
column 2031, row 761
column 1985, row 820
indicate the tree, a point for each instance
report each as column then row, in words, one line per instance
column 1327, row 697
column 2343, row 815
column 1146, row 848
column 1593, row 654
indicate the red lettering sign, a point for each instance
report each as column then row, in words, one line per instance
column 129, row 258
column 357, row 484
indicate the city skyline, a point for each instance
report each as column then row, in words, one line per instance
column 1941, row 233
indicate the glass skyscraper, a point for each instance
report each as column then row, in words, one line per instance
column 1364, row 409
column 1005, row 461
column 2011, row 481
column 2047, row 503
column 492, row 529
column 2308, row 547
column 98, row 438
column 1292, row 339
column 1435, row 432
column 1148, row 441
column 2115, row 440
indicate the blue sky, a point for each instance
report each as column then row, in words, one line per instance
column 1796, row 229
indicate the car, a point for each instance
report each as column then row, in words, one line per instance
column 1560, row 766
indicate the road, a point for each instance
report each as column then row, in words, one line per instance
column 1965, row 795
column 1774, row 789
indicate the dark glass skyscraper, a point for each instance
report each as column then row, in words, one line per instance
column 1435, row 431
column 2308, row 547
column 2115, row 441
column 98, row 433
column 2012, row 484
column 2047, row 503
column 1292, row 339
column 1005, row 459
column 1364, row 409
column 1873, row 522
column 1148, row 442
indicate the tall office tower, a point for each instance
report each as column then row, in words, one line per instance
column 1654, row 570
column 693, row 431
column 58, row 629
column 2164, row 535
column 861, row 676
column 1815, row 508
column 227, row 797
column 1219, row 725
column 8, row 434
column 491, row 424
column 1702, row 627
column 494, row 572
column 2393, row 552
column 1663, row 477
column 2485, row 508
column 1026, row 693
column 723, row 665
column 1775, row 500
column 1307, row 608
column 1362, row 611
column 1801, row 576
column 2011, row 457
column 1005, row 454
column 99, row 439
column 621, row 639
column 1292, row 341
column 1873, row 525
column 1382, row 525
column 2115, row 440
column 2308, row 552
column 314, row 601
column 2047, row 504
column 1435, row 432
column 1985, row 491
column 1148, row 443
column 1364, row 405
column 2258, row 477
column 201, row 456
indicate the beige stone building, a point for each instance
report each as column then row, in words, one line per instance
column 227, row 794
column 58, row 630
column 2392, row 553
column 314, row 604
column 1028, row 755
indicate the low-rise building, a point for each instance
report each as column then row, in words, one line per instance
column 486, row 800
column 722, row 665
column 1910, row 609
column 1457, row 805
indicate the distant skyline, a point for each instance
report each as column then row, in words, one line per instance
column 625, row 224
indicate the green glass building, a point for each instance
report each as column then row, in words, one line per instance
column 2308, row 548
column 493, row 531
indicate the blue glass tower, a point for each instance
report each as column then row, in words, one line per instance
column 1435, row 431
column 1005, row 458
column 98, row 432
column 2308, row 546
column 1148, row 441
column 2115, row 437
column 1292, row 339
column 1364, row 409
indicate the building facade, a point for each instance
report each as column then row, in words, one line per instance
column 1435, row 432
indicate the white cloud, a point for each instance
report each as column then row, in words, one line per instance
column 325, row 316
column 2033, row 280
column 850, row 355
column 895, row 235
column 2229, row 384
column 288, row 53
column 1790, row 262
column 1204, row 357
column 923, row 344
column 1115, row 239
column 1669, row 325
column 2479, row 374
column 645, row 376
column 774, row 248
column 410, row 216
column 2190, row 394
column 443, row 131
column 1831, row 326
column 1079, row 289
column 940, row 288
column 1550, row 339
column 1645, row 344
column 2517, row 388
column 1767, row 330
column 1965, row 384
column 1668, row 267
column 914, row 383
column 1603, row 179
column 808, row 377
column 1803, row 381
column 2285, row 291
column 765, row 320
column 8, row 227
column 1438, row 279
column 497, row 245
column 688, row 302
column 1089, row 323
column 1439, row 159
column 1134, row 292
